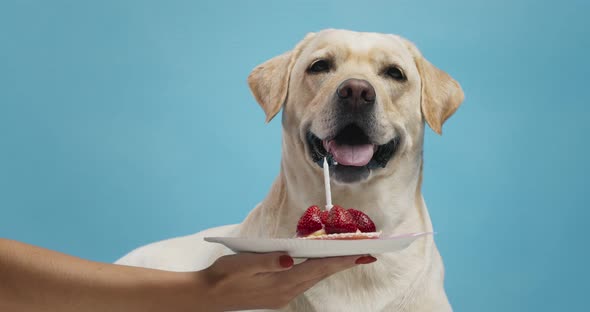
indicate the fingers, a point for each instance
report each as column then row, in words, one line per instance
column 251, row 263
column 273, row 276
column 313, row 269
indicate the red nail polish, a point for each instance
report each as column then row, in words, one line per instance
column 365, row 260
column 286, row 261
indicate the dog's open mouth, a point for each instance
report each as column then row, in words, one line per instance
column 351, row 150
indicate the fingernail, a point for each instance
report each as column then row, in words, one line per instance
column 286, row 261
column 365, row 260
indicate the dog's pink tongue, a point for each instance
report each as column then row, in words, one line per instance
column 350, row 155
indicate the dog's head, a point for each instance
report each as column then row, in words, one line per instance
column 359, row 99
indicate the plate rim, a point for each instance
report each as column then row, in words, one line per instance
column 214, row 239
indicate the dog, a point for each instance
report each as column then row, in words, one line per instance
column 361, row 99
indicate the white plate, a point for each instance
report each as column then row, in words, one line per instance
column 303, row 248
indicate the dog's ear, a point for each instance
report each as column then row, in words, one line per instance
column 269, row 82
column 441, row 94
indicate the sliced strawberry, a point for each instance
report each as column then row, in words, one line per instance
column 309, row 222
column 324, row 216
column 362, row 221
column 340, row 221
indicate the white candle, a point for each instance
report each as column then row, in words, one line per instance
column 327, row 185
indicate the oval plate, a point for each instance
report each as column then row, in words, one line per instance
column 307, row 248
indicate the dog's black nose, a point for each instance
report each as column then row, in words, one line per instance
column 356, row 94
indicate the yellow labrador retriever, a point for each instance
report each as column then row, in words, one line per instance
column 362, row 100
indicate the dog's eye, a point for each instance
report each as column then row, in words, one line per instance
column 395, row 73
column 319, row 66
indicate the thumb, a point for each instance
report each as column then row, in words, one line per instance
column 253, row 263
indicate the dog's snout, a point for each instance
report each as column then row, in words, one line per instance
column 356, row 94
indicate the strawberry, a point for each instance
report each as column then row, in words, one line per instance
column 340, row 221
column 362, row 221
column 309, row 222
column 324, row 216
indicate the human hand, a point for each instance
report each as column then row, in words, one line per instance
column 46, row 280
column 258, row 281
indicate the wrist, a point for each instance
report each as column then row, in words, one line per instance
column 194, row 291
column 158, row 290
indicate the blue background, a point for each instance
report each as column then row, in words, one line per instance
column 126, row 122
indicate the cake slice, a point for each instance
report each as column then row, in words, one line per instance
column 337, row 224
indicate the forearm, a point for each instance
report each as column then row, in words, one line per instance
column 35, row 279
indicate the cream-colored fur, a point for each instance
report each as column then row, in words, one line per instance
column 410, row 280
